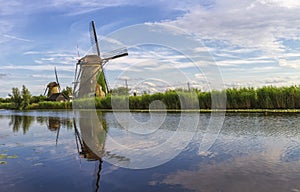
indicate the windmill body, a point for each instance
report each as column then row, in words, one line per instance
column 90, row 65
column 90, row 78
column 53, row 90
column 52, row 87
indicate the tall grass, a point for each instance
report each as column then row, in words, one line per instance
column 267, row 97
column 6, row 106
column 51, row 105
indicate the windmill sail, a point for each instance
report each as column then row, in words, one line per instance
column 115, row 54
column 95, row 47
column 53, row 87
column 94, row 39
column 56, row 77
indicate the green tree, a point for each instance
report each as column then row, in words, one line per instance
column 67, row 91
column 37, row 99
column 16, row 98
column 120, row 91
column 101, row 81
column 26, row 96
column 20, row 100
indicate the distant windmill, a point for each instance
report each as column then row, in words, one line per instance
column 91, row 69
column 53, row 87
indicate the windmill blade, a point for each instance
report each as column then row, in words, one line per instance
column 78, row 55
column 76, row 70
column 45, row 90
column 57, row 136
column 56, row 77
column 95, row 48
column 115, row 54
column 94, row 39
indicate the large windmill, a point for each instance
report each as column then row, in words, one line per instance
column 53, row 87
column 90, row 78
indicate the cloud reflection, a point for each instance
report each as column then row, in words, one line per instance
column 263, row 169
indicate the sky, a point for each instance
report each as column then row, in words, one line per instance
column 242, row 43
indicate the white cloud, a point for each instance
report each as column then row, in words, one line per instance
column 291, row 4
column 38, row 67
column 15, row 38
column 242, row 62
column 260, row 27
column 289, row 63
column 204, row 49
column 9, row 7
column 77, row 7
column 269, row 79
column 154, row 61
column 200, row 76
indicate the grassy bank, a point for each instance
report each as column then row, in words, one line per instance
column 270, row 99
column 265, row 111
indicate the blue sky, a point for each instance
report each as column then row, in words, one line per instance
column 253, row 42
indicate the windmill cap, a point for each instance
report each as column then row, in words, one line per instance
column 91, row 59
column 52, row 84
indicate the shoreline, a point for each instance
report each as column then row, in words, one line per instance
column 207, row 110
column 175, row 110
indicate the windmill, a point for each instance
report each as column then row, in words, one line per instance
column 90, row 78
column 53, row 87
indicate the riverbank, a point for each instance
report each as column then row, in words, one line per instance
column 265, row 111
column 265, row 99
column 104, row 105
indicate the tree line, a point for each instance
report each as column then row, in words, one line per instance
column 267, row 97
column 21, row 99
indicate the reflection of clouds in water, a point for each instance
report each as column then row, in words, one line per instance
column 262, row 170
column 149, row 146
column 292, row 153
column 109, row 169
column 144, row 153
column 139, row 123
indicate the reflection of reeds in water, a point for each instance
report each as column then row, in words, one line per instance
column 18, row 122
column 23, row 122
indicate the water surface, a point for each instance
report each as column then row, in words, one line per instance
column 51, row 151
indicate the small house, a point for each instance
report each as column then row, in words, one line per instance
column 58, row 97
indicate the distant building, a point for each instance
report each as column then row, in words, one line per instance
column 58, row 97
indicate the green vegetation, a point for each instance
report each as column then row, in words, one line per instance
column 19, row 100
column 120, row 91
column 23, row 100
column 16, row 98
column 5, row 156
column 26, row 96
column 51, row 105
column 101, row 81
column 67, row 91
column 268, row 97
column 238, row 99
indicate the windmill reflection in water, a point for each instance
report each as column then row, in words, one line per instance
column 90, row 140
